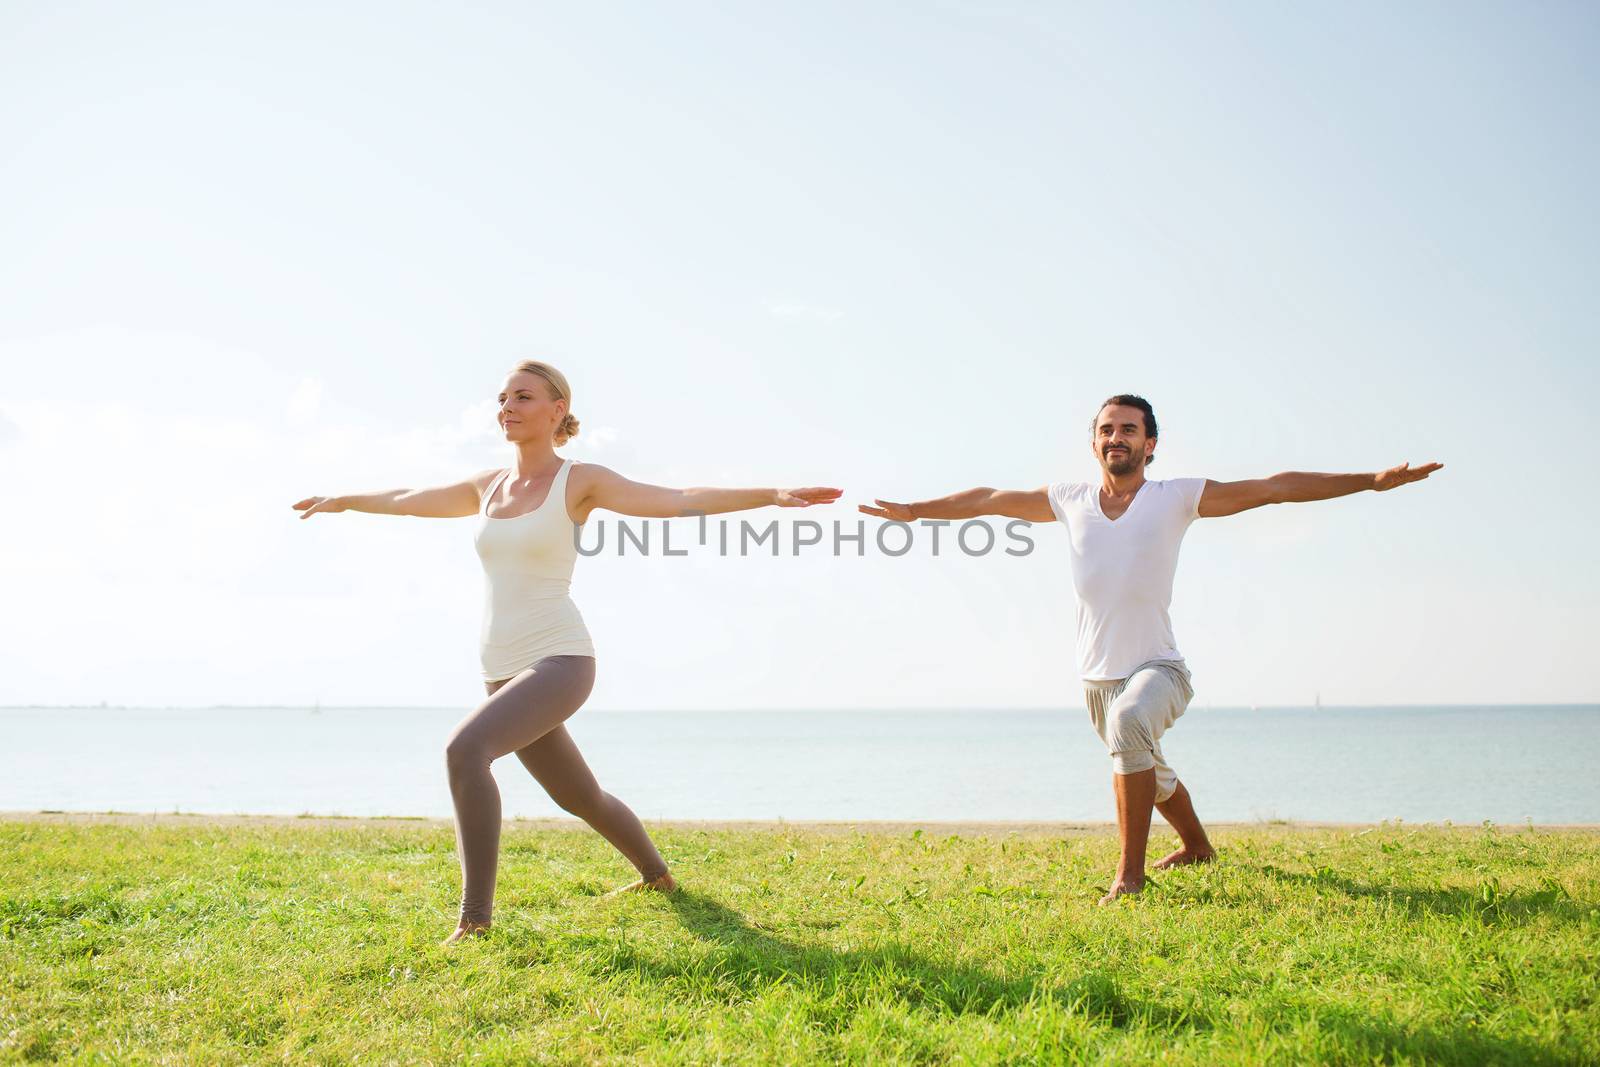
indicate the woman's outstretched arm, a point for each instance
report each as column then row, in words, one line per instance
column 441, row 502
column 601, row 487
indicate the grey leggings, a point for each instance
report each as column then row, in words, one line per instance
column 524, row 715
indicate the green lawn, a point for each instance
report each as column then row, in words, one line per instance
column 188, row 941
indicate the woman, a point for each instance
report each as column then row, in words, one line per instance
column 538, row 661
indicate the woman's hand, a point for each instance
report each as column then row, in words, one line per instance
column 804, row 498
column 326, row 504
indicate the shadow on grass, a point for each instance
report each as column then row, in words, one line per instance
column 1368, row 1040
column 749, row 962
column 1488, row 901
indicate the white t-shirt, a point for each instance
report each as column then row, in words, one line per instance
column 1122, row 571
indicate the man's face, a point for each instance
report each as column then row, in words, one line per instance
column 1119, row 440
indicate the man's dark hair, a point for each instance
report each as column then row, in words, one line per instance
column 1131, row 401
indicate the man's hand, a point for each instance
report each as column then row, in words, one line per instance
column 1402, row 475
column 325, row 505
column 888, row 509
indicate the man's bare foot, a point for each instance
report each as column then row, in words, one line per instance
column 464, row 931
column 663, row 883
column 1183, row 857
column 1122, row 888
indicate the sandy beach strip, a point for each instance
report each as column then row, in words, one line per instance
column 864, row 826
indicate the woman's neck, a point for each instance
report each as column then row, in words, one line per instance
column 534, row 459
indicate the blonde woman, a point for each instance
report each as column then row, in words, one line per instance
column 538, row 662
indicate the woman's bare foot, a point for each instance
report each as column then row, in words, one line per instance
column 1183, row 857
column 1122, row 888
column 464, row 931
column 662, row 883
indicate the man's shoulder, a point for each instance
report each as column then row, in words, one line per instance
column 1063, row 495
column 1066, row 500
column 1184, row 493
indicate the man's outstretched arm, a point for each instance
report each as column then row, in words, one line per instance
column 1030, row 504
column 1293, row 487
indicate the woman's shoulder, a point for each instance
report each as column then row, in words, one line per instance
column 585, row 474
column 484, row 479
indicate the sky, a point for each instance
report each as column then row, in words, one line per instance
column 250, row 253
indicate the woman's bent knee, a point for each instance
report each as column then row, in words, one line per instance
column 462, row 755
column 583, row 804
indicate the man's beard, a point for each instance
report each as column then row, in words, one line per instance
column 1121, row 463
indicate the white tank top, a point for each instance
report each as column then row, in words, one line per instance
column 527, row 565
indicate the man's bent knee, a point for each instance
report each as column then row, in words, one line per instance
column 1132, row 761
column 1127, row 731
column 1166, row 786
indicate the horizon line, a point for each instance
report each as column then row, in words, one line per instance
column 105, row 706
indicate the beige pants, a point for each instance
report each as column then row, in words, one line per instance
column 1130, row 715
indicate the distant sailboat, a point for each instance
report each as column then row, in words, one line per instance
column 1318, row 703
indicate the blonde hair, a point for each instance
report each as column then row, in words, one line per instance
column 567, row 428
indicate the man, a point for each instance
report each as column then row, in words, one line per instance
column 1125, row 532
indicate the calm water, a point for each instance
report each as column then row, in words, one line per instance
column 1508, row 764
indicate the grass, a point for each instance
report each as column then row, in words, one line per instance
column 184, row 941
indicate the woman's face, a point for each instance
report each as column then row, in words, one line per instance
column 528, row 412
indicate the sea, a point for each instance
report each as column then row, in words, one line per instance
column 1463, row 765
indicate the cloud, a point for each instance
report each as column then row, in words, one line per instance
column 202, row 494
column 305, row 401
column 477, row 422
column 597, row 439
column 795, row 309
